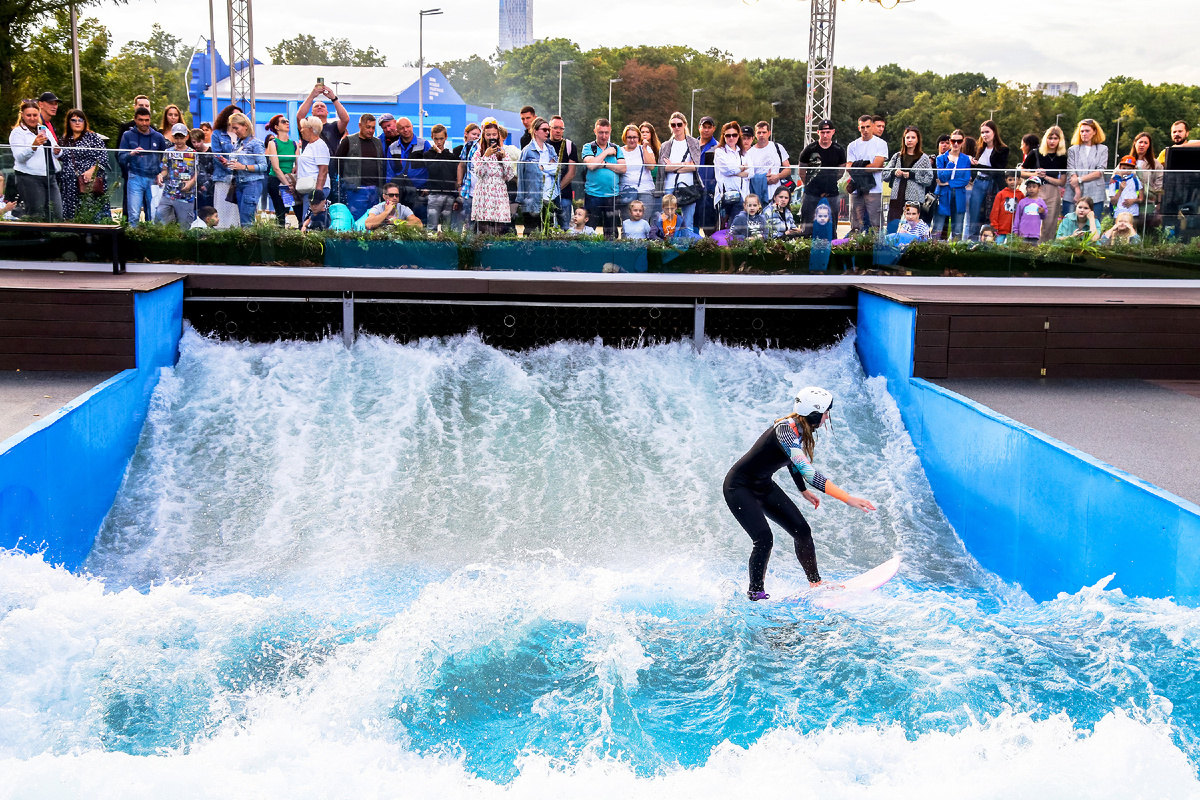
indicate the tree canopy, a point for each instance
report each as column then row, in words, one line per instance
column 303, row 49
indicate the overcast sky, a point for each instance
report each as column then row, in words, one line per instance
column 1025, row 41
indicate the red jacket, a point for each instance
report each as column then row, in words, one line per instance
column 1003, row 209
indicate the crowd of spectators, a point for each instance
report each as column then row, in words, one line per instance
column 736, row 183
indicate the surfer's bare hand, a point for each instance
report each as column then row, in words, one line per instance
column 811, row 496
column 861, row 502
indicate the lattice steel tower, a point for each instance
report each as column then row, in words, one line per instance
column 819, row 101
column 241, row 49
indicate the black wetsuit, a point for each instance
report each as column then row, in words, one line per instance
column 754, row 497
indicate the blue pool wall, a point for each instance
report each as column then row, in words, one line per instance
column 59, row 477
column 1031, row 509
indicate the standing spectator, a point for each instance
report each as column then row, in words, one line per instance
column 733, row 174
column 1179, row 137
column 991, row 162
column 83, row 162
column 1029, row 161
column 1051, row 168
column 171, row 117
column 388, row 133
column 492, row 170
column 678, row 160
column 821, row 164
column 1086, row 159
column 465, row 176
column 953, row 175
column 768, row 161
column 1080, row 223
column 141, row 155
column 443, row 179
column 605, row 165
column 650, row 139
column 178, row 181
column 248, row 162
column 706, row 212
column 880, row 125
column 406, row 167
column 1125, row 190
column 312, row 165
column 1149, row 172
column 204, row 168
column 222, row 146
column 360, row 167
column 910, row 174
column 1031, row 213
column 638, row 182
column 141, row 101
column 567, row 156
column 281, row 154
column 331, row 131
column 36, row 167
column 537, row 178
column 206, row 129
column 527, row 115
column 48, row 108
column 867, row 153
column 1004, row 207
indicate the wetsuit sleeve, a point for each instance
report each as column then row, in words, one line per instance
column 801, row 468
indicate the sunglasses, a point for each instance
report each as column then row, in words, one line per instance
column 392, row 196
column 732, row 135
column 956, row 141
column 676, row 124
column 544, row 130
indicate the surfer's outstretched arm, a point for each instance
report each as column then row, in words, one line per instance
column 803, row 472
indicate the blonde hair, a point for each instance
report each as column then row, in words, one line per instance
column 241, row 119
column 1097, row 137
column 1122, row 236
column 808, row 437
column 670, row 200
column 313, row 124
column 1062, row 141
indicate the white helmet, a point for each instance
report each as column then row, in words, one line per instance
column 812, row 402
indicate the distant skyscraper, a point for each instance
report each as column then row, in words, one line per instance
column 516, row 24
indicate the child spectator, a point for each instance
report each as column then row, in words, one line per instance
column 1080, row 223
column 579, row 226
column 779, row 216
column 1030, row 213
column 317, row 218
column 911, row 224
column 206, row 218
column 1005, row 206
column 666, row 223
column 178, row 179
column 1125, row 190
column 987, row 235
column 1122, row 231
column 750, row 223
column 635, row 227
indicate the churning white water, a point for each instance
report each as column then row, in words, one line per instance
column 445, row 569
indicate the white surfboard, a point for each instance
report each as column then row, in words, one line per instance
column 841, row 594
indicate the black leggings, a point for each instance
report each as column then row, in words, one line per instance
column 752, row 509
column 273, row 184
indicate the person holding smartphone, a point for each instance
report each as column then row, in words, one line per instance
column 492, row 170
column 35, row 156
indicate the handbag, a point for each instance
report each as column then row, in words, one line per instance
column 930, row 201
column 731, row 198
column 306, row 184
column 94, row 187
column 629, row 192
column 689, row 194
column 231, row 195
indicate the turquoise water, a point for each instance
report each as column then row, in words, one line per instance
column 447, row 569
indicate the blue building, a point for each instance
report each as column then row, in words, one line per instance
column 280, row 89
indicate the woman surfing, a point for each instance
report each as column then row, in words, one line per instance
column 754, row 497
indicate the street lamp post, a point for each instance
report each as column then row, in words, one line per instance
column 1057, row 117
column 992, row 112
column 692, row 118
column 774, row 105
column 1117, row 142
column 561, row 64
column 428, row 12
column 611, row 81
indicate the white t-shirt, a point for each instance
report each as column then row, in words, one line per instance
column 636, row 174
column 314, row 156
column 858, row 150
column 198, row 224
column 678, row 153
column 766, row 160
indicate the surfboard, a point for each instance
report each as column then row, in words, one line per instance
column 849, row 591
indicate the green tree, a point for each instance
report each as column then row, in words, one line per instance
column 304, row 49
column 47, row 66
column 1140, row 107
column 473, row 78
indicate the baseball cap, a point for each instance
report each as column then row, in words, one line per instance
column 706, row 120
column 1033, row 179
column 48, row 97
column 179, row 129
column 386, row 118
column 1129, row 161
column 318, row 196
column 826, row 125
column 747, row 130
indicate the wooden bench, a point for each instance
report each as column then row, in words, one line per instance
column 115, row 232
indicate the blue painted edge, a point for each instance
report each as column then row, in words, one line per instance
column 59, row 476
column 1029, row 507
